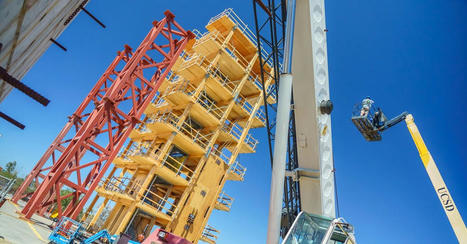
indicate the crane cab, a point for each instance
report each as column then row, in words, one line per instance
column 315, row 229
column 369, row 121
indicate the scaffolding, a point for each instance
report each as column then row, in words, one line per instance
column 172, row 172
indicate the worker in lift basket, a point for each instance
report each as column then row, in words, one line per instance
column 366, row 105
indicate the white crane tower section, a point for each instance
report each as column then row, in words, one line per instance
column 313, row 128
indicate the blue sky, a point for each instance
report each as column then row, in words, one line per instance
column 407, row 55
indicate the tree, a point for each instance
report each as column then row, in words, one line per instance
column 10, row 167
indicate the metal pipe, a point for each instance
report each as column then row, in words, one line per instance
column 282, row 133
column 11, row 120
column 92, row 16
column 288, row 42
column 22, row 87
column 58, row 44
column 280, row 155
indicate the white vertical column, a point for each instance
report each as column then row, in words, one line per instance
column 311, row 86
column 321, row 80
column 280, row 155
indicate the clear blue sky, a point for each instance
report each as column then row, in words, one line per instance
column 408, row 55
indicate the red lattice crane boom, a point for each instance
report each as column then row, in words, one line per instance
column 119, row 98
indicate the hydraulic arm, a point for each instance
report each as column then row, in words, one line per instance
column 438, row 183
column 372, row 124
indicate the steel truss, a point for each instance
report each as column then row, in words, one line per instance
column 270, row 19
column 84, row 149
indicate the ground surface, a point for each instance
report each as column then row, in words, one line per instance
column 15, row 230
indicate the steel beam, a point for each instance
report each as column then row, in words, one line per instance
column 11, row 120
column 22, row 87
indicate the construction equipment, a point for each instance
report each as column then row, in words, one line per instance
column 303, row 167
column 311, row 228
column 68, row 231
column 373, row 122
column 162, row 236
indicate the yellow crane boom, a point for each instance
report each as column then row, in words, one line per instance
column 438, row 183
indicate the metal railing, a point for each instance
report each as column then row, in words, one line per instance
column 124, row 185
column 206, row 36
column 179, row 168
column 224, row 79
column 141, row 127
column 171, row 163
column 271, row 91
column 195, row 59
column 257, row 82
column 244, row 104
column 250, row 141
column 167, row 116
column 238, row 169
column 158, row 202
column 229, row 48
column 210, row 233
column 136, row 148
column 210, row 106
column 5, row 186
column 196, row 135
column 183, row 86
column 236, row 131
column 197, row 33
column 159, row 102
column 236, row 55
column 243, row 27
column 131, row 188
column 187, row 88
column 225, row 200
column 364, row 111
column 218, row 153
column 260, row 115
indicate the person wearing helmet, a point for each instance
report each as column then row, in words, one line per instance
column 366, row 105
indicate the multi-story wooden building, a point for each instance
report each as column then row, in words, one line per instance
column 172, row 172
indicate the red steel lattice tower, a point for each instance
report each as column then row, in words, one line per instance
column 117, row 103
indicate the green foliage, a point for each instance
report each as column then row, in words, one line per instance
column 67, row 200
column 11, row 173
column 6, row 174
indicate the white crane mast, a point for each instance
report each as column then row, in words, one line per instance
column 309, row 75
column 310, row 90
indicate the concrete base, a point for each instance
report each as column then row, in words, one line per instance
column 15, row 230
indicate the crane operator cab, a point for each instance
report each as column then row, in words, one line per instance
column 371, row 121
column 314, row 229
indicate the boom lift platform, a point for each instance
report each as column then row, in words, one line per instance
column 372, row 122
column 69, row 231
